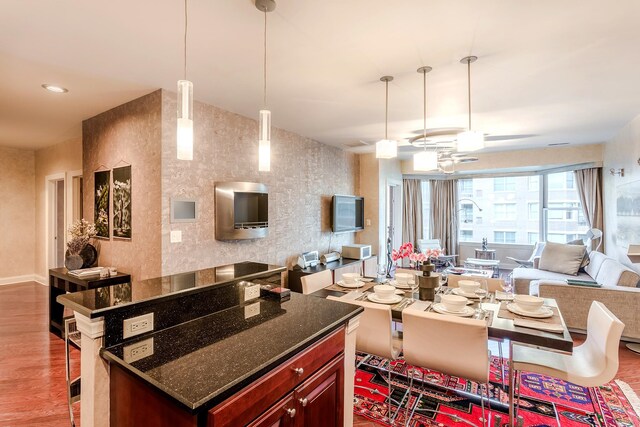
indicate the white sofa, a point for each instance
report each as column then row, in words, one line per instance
column 619, row 292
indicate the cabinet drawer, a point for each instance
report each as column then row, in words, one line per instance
column 257, row 397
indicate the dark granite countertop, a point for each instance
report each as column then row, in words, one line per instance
column 202, row 362
column 97, row 302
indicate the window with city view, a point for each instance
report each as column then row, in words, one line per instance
column 511, row 209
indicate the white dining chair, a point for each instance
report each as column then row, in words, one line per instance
column 316, row 281
column 375, row 336
column 592, row 364
column 452, row 345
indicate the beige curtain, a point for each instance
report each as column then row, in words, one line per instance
column 589, row 184
column 412, row 211
column 444, row 199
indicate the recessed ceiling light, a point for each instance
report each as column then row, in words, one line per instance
column 55, row 89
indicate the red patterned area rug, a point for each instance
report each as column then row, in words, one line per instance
column 544, row 401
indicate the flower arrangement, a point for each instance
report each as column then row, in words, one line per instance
column 406, row 250
column 81, row 233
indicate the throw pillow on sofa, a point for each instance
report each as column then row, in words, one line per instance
column 586, row 259
column 560, row 258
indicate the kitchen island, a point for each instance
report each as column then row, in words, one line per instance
column 217, row 354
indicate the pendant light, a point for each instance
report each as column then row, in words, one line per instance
column 470, row 140
column 425, row 160
column 185, row 107
column 264, row 131
column 386, row 148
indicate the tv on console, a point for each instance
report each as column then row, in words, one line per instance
column 347, row 213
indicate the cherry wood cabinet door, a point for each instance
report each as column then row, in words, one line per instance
column 282, row 414
column 320, row 399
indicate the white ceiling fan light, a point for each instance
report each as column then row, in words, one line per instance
column 386, row 148
column 426, row 160
column 469, row 140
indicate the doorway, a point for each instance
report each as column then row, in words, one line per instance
column 56, row 223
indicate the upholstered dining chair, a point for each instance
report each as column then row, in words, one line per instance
column 456, row 346
column 375, row 336
column 316, row 281
column 592, row 364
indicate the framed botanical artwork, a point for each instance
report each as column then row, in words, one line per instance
column 121, row 202
column 101, row 203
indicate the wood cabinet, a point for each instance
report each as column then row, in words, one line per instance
column 306, row 390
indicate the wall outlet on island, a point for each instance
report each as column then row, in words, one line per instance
column 251, row 310
column 137, row 351
column 137, row 325
column 251, row 292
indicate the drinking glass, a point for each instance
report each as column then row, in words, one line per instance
column 507, row 284
column 414, row 286
column 482, row 292
column 443, row 279
column 382, row 273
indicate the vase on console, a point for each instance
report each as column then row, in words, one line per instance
column 80, row 252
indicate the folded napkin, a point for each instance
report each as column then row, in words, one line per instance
column 534, row 324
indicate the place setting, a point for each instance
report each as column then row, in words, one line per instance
column 352, row 281
column 530, row 312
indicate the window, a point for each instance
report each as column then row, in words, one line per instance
column 465, row 187
column 466, row 213
column 505, row 183
column 533, row 238
column 505, row 211
column 466, row 235
column 534, row 183
column 564, row 219
column 504, row 236
column 534, row 211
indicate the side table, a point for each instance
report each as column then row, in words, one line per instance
column 61, row 282
column 485, row 253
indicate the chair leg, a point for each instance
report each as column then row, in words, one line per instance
column 406, row 414
column 511, row 385
column 518, row 381
column 484, row 417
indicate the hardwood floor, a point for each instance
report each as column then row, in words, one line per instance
column 32, row 373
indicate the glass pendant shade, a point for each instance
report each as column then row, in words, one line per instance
column 264, row 142
column 386, row 149
column 185, row 120
column 425, row 161
column 470, row 141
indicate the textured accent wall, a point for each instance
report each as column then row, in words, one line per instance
column 63, row 157
column 17, row 212
column 304, row 175
column 132, row 133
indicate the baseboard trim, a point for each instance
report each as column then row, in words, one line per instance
column 22, row 279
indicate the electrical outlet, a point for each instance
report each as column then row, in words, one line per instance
column 137, row 325
column 251, row 310
column 251, row 292
column 137, row 351
column 176, row 236
column 368, row 222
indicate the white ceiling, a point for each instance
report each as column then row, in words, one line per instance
column 563, row 71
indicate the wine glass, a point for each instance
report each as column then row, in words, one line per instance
column 481, row 293
column 414, row 286
column 443, row 279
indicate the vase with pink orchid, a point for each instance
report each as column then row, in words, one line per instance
column 404, row 251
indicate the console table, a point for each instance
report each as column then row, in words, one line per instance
column 60, row 282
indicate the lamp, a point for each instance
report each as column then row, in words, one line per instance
column 386, row 148
column 426, row 160
column 470, row 140
column 264, row 131
column 184, row 133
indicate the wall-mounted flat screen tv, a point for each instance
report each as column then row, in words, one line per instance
column 347, row 213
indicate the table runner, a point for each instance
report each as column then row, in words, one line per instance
column 504, row 313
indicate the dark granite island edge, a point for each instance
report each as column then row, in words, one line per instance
column 84, row 302
column 220, row 394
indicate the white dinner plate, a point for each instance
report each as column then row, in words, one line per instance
column 356, row 284
column 373, row 298
column 397, row 284
column 543, row 313
column 462, row 293
column 366, row 279
column 466, row 312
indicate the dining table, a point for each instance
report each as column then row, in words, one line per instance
column 501, row 328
